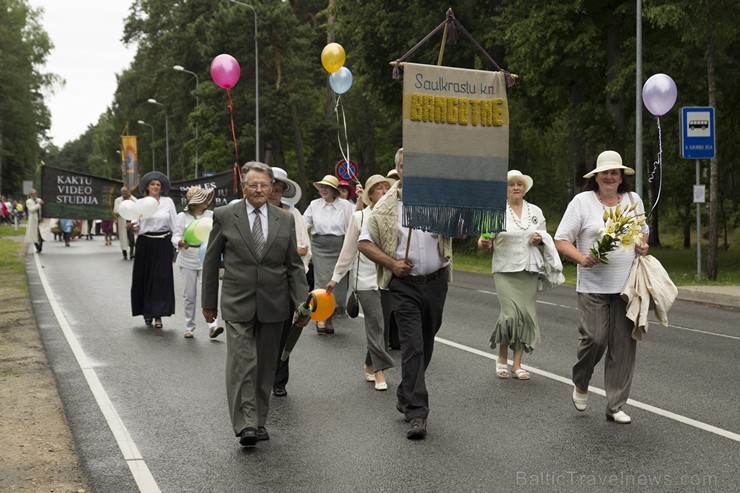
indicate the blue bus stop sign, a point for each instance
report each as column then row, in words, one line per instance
column 697, row 132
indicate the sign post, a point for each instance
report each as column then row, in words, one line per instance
column 697, row 142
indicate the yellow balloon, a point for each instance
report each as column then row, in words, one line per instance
column 332, row 57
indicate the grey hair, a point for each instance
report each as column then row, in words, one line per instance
column 399, row 153
column 258, row 167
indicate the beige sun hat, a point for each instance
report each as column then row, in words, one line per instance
column 515, row 173
column 609, row 160
column 370, row 183
column 330, row 181
column 197, row 195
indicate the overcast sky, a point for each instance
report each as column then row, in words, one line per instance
column 87, row 53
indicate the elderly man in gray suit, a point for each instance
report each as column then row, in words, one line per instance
column 262, row 274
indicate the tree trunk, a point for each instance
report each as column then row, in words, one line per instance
column 298, row 137
column 575, row 141
column 713, row 171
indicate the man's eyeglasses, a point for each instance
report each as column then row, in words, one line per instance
column 255, row 186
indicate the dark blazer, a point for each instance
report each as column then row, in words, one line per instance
column 251, row 286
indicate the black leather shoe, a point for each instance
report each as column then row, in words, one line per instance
column 417, row 429
column 279, row 392
column 262, row 434
column 248, row 437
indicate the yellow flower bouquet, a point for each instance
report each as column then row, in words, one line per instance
column 622, row 228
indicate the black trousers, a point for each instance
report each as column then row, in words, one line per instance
column 418, row 310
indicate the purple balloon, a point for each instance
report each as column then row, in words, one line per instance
column 225, row 71
column 659, row 94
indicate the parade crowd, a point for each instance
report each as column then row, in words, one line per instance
column 263, row 257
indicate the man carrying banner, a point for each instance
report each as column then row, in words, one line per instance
column 125, row 237
column 415, row 267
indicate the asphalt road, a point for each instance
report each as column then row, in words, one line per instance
column 148, row 411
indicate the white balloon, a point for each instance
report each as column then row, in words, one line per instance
column 128, row 210
column 147, row 206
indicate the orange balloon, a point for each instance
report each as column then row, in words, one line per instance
column 332, row 57
column 324, row 305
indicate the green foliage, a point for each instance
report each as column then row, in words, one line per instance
column 24, row 118
column 574, row 98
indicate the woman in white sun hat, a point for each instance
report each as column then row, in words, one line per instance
column 327, row 218
column 603, row 323
column 284, row 193
column 522, row 255
column 363, row 277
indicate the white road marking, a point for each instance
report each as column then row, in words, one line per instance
column 131, row 454
column 569, row 307
column 641, row 405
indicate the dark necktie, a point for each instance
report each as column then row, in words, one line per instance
column 257, row 235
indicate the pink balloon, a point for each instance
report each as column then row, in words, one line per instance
column 659, row 94
column 225, row 71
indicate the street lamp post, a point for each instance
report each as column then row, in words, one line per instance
column 142, row 122
column 180, row 68
column 166, row 132
column 256, row 83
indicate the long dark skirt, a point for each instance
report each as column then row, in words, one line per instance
column 153, row 285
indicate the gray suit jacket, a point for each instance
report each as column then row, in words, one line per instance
column 251, row 286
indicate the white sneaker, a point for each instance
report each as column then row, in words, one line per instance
column 580, row 401
column 619, row 417
column 188, row 334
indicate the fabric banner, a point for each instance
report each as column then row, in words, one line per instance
column 455, row 149
column 73, row 195
column 129, row 160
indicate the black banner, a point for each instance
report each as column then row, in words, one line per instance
column 73, row 195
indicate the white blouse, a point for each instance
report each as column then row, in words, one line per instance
column 323, row 218
column 161, row 221
column 582, row 223
column 367, row 279
column 187, row 257
column 511, row 247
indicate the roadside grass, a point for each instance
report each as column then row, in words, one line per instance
column 12, row 251
column 680, row 263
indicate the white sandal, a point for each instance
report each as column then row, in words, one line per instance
column 502, row 370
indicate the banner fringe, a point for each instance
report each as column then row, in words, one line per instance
column 454, row 221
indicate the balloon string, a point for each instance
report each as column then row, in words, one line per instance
column 345, row 156
column 237, row 170
column 657, row 166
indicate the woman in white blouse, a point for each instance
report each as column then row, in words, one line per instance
column 364, row 274
column 516, row 283
column 188, row 257
column 153, row 285
column 603, row 323
column 283, row 193
column 327, row 218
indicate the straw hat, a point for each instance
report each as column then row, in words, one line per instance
column 292, row 191
column 393, row 174
column 370, row 183
column 329, row 181
column 197, row 195
column 154, row 175
column 515, row 173
column 609, row 160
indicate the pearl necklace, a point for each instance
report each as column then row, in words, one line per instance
column 604, row 206
column 516, row 219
